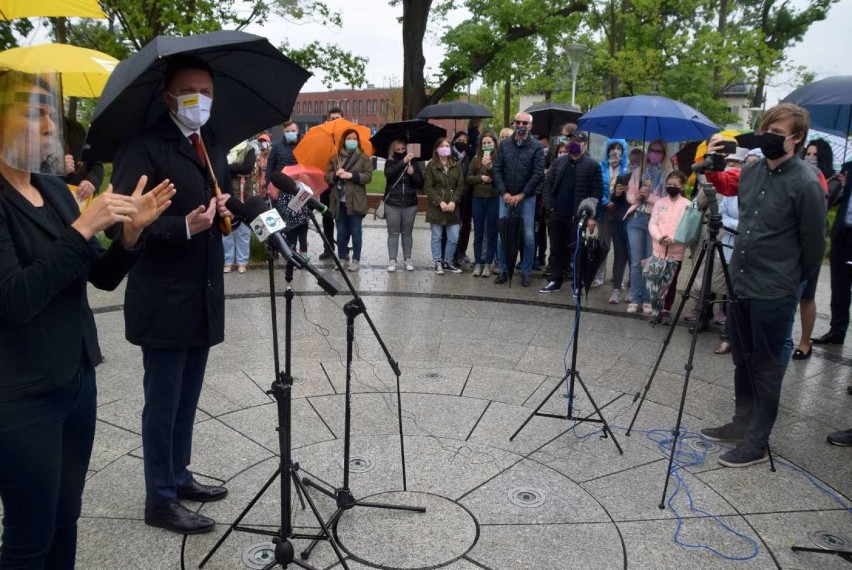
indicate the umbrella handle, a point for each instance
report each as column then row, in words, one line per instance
column 224, row 223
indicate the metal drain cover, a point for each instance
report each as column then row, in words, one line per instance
column 359, row 464
column 702, row 445
column 526, row 497
column 830, row 540
column 431, row 375
column 259, row 556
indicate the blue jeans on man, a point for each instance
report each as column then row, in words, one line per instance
column 526, row 211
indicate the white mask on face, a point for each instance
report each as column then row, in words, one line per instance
column 193, row 110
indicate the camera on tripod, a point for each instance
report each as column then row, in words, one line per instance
column 716, row 161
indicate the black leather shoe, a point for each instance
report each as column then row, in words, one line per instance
column 502, row 278
column 799, row 355
column 177, row 518
column 829, row 338
column 201, row 493
column 526, row 281
column 325, row 255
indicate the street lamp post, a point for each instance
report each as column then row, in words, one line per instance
column 575, row 53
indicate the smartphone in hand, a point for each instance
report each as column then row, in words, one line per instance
column 413, row 149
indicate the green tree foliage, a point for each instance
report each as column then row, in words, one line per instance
column 11, row 31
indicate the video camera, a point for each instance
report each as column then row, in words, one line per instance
column 716, row 161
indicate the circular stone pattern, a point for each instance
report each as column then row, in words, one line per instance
column 384, row 538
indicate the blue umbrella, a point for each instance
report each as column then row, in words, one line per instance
column 829, row 102
column 648, row 117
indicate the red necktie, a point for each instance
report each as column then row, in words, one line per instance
column 196, row 144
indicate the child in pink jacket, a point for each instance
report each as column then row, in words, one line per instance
column 665, row 218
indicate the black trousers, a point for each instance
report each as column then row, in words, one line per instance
column 841, row 280
column 45, row 445
column 327, row 223
column 563, row 236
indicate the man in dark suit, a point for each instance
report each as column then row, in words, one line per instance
column 175, row 302
column 841, row 267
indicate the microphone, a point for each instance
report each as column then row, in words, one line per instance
column 303, row 196
column 586, row 210
column 267, row 225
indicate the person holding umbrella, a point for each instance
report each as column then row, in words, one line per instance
column 48, row 340
column 403, row 180
column 646, row 186
column 518, row 172
column 662, row 226
column 348, row 174
column 175, row 298
column 443, row 184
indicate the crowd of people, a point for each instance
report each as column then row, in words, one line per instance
column 170, row 246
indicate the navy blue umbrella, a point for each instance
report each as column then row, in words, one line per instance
column 648, row 117
column 829, row 101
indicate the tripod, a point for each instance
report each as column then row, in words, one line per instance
column 711, row 250
column 342, row 495
column 288, row 471
column 572, row 372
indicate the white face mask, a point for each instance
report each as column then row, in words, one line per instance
column 193, row 110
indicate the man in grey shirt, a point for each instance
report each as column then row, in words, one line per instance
column 780, row 244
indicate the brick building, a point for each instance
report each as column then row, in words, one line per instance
column 372, row 107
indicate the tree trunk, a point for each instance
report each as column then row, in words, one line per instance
column 507, row 101
column 722, row 28
column 415, row 15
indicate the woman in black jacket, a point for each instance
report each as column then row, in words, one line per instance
column 48, row 341
column 402, row 181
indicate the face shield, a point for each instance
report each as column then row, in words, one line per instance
column 31, row 137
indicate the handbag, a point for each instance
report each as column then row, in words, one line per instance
column 379, row 213
column 689, row 228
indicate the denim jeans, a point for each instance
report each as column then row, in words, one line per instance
column 452, row 241
column 526, row 211
column 758, row 334
column 485, row 212
column 348, row 225
column 45, row 445
column 172, row 385
column 639, row 239
column 621, row 252
column 239, row 238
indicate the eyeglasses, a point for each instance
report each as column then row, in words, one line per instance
column 522, row 122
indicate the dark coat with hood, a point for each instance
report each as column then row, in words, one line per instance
column 441, row 185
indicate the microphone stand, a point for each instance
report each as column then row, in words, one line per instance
column 287, row 470
column 343, row 496
column 572, row 372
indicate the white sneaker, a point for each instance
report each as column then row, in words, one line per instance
column 477, row 271
column 615, row 298
column 391, row 266
column 354, row 266
column 597, row 283
column 439, row 268
column 408, row 266
column 646, row 308
column 633, row 308
column 486, row 270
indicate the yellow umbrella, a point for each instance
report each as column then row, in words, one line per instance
column 11, row 9
column 84, row 71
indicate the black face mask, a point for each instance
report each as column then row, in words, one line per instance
column 772, row 145
column 672, row 191
column 399, row 155
column 460, row 146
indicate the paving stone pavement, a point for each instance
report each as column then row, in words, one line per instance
column 476, row 360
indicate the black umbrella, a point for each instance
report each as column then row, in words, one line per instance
column 592, row 254
column 549, row 117
column 415, row 131
column 454, row 110
column 255, row 87
column 511, row 230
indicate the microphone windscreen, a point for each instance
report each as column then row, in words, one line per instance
column 283, row 182
column 237, row 208
column 254, row 207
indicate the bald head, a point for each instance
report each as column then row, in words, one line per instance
column 523, row 124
